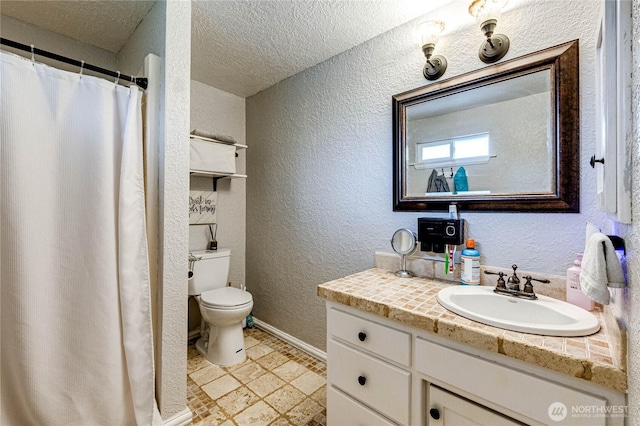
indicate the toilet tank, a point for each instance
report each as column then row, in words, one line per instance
column 211, row 271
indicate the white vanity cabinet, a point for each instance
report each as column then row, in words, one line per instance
column 368, row 381
column 382, row 372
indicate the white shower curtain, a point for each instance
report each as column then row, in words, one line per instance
column 76, row 336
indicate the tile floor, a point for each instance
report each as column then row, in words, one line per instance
column 277, row 385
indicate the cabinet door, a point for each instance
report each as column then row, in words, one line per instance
column 446, row 408
column 614, row 129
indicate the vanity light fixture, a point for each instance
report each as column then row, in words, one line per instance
column 436, row 65
column 487, row 13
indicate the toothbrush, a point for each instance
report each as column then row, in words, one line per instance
column 446, row 259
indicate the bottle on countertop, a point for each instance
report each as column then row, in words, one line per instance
column 470, row 264
column 575, row 295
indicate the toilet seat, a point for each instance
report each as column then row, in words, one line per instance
column 226, row 298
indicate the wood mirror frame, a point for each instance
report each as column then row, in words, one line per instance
column 563, row 63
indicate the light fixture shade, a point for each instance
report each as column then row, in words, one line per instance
column 484, row 10
column 430, row 32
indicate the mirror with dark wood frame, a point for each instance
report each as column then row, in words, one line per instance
column 503, row 138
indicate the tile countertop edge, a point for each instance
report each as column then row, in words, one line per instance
column 470, row 332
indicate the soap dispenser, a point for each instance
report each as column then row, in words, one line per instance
column 575, row 295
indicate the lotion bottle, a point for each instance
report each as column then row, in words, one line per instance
column 470, row 261
column 575, row 295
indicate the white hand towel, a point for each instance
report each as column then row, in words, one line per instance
column 600, row 269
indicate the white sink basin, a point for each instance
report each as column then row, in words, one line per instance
column 546, row 316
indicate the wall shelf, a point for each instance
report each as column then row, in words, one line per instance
column 216, row 175
column 202, row 138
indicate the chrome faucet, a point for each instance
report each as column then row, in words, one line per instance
column 512, row 286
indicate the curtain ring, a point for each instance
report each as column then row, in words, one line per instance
column 33, row 55
column 81, row 68
column 118, row 78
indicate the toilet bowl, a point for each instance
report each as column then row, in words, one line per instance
column 222, row 308
column 223, row 311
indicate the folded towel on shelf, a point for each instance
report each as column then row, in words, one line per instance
column 600, row 269
column 220, row 138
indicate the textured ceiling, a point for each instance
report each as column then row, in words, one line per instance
column 104, row 24
column 243, row 47
column 239, row 46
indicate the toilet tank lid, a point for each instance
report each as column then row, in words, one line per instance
column 211, row 254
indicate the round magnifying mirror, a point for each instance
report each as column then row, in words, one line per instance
column 404, row 242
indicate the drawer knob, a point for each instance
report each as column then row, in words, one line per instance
column 362, row 336
column 434, row 413
column 362, row 380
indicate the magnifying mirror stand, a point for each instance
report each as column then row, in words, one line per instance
column 403, row 272
column 404, row 242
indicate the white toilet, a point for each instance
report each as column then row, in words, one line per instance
column 223, row 308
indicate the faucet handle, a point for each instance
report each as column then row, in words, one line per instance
column 501, row 275
column 528, row 287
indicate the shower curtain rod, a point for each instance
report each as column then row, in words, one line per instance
column 138, row 81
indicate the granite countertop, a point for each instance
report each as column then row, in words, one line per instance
column 599, row 358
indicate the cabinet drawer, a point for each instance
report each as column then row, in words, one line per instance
column 384, row 341
column 370, row 380
column 509, row 387
column 342, row 410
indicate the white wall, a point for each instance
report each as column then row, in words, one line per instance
column 319, row 196
column 166, row 32
column 24, row 33
column 221, row 113
column 631, row 234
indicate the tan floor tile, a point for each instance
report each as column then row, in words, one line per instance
column 285, row 398
column 207, row 374
column 258, row 351
column 265, row 384
column 272, row 360
column 237, row 400
column 250, row 342
column 259, row 414
column 233, row 399
column 281, row 422
column 320, row 396
column 196, row 363
column 249, row 372
column 304, row 412
column 221, row 386
column 309, row 382
column 290, row 370
column 216, row 418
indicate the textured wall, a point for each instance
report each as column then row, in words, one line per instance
column 219, row 112
column 166, row 32
column 319, row 195
column 631, row 233
column 24, row 33
column 174, row 222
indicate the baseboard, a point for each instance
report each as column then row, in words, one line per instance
column 183, row 418
column 293, row 341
